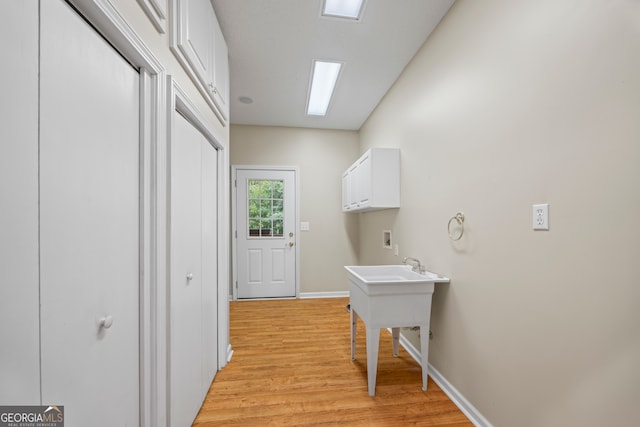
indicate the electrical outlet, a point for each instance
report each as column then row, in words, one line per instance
column 541, row 217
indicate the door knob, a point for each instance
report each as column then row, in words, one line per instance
column 291, row 234
column 291, row 244
column 190, row 276
column 106, row 321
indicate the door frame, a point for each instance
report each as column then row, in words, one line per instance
column 234, row 228
column 178, row 102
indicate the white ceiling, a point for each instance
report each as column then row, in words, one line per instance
column 272, row 45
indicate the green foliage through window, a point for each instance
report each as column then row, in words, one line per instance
column 266, row 208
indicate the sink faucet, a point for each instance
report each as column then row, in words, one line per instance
column 416, row 264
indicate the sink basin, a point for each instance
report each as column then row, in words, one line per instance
column 373, row 274
column 392, row 296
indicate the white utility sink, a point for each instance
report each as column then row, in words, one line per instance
column 371, row 274
column 390, row 296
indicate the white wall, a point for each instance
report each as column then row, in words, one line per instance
column 322, row 156
column 511, row 103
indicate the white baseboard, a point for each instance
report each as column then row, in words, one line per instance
column 335, row 294
column 229, row 353
column 456, row 397
column 307, row 295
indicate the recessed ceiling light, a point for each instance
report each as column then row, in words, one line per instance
column 343, row 8
column 323, row 82
column 245, row 99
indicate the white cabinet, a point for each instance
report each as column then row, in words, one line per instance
column 372, row 182
column 346, row 190
column 220, row 78
column 199, row 45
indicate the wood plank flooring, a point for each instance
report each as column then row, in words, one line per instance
column 292, row 367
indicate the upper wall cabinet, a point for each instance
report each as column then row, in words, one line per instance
column 372, row 182
column 199, row 45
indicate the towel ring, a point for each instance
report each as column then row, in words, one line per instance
column 459, row 218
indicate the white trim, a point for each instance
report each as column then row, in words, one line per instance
column 147, row 250
column 234, row 240
column 333, row 294
column 156, row 10
column 224, row 248
column 179, row 101
column 106, row 19
column 456, row 397
column 229, row 354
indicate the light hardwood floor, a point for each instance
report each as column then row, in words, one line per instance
column 292, row 367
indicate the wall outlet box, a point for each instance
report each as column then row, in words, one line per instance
column 541, row 217
column 386, row 239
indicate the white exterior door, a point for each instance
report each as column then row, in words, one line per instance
column 89, row 223
column 266, row 233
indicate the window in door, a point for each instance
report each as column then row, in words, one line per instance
column 266, row 203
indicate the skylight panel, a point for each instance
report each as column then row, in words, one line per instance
column 349, row 9
column 323, row 82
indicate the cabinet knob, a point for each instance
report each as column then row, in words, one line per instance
column 106, row 321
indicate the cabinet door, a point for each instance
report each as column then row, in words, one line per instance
column 199, row 46
column 353, row 188
column 195, row 37
column 364, row 182
column 220, row 83
column 346, row 191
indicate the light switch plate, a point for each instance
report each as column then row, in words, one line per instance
column 541, row 216
column 304, row 226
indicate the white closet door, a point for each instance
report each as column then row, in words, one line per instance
column 209, row 263
column 193, row 288
column 186, row 277
column 89, row 215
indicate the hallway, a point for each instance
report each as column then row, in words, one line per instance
column 291, row 367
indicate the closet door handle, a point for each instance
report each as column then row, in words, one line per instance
column 106, row 321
